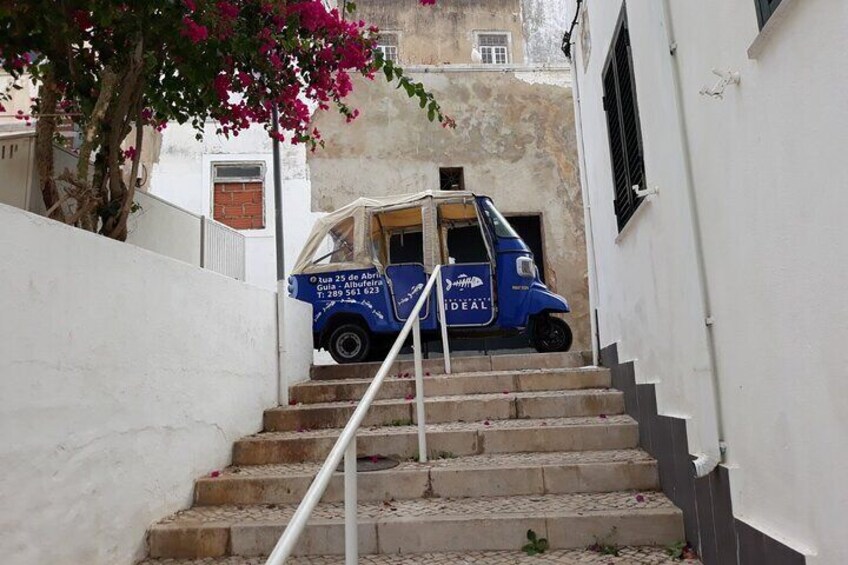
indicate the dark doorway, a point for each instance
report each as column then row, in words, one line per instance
column 530, row 230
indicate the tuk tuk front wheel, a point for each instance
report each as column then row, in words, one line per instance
column 349, row 343
column 551, row 335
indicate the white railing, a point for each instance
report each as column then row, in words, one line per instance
column 346, row 444
column 222, row 249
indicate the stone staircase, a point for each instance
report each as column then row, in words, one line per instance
column 517, row 443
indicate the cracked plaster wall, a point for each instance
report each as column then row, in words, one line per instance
column 124, row 376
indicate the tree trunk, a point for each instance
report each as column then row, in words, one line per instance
column 45, row 130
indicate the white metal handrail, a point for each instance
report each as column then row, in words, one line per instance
column 346, row 444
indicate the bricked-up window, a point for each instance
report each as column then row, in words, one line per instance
column 494, row 48
column 387, row 43
column 625, row 135
column 451, row 178
column 765, row 8
column 239, row 195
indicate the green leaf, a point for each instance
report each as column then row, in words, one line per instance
column 531, row 535
column 431, row 114
column 350, row 7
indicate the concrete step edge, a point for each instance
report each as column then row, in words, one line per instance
column 455, row 398
column 470, row 374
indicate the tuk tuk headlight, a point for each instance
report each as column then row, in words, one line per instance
column 525, row 267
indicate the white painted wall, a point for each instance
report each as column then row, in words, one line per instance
column 769, row 180
column 166, row 229
column 183, row 176
column 124, row 375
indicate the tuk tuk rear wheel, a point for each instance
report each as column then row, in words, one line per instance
column 551, row 335
column 349, row 343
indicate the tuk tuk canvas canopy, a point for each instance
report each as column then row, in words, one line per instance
column 343, row 240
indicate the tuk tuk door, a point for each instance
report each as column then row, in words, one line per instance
column 401, row 242
column 467, row 272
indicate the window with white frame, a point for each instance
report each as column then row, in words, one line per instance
column 494, row 48
column 387, row 44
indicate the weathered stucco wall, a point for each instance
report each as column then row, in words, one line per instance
column 544, row 22
column 514, row 137
column 444, row 34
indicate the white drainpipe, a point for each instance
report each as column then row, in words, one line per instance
column 711, row 456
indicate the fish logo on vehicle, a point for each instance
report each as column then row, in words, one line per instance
column 415, row 290
column 464, row 282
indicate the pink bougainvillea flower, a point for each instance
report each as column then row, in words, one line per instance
column 506, row 392
column 603, row 416
column 640, row 498
column 487, row 423
column 129, row 153
column 427, row 2
column 292, row 402
column 215, row 474
column 194, row 31
column 409, row 397
column 374, row 458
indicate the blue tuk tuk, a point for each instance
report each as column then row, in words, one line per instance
column 365, row 265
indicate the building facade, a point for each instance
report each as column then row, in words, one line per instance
column 719, row 282
column 495, row 67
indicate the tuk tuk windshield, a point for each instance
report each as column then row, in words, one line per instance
column 497, row 221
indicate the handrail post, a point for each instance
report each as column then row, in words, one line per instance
column 419, row 390
column 350, row 503
column 443, row 320
column 345, row 446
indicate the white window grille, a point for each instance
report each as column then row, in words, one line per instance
column 494, row 48
column 238, row 172
column 387, row 44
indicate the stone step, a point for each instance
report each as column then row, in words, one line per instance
column 645, row 555
column 456, row 438
column 426, row 525
column 530, row 380
column 441, row 409
column 458, row 365
column 472, row 476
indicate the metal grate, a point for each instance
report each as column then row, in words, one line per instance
column 625, row 136
column 451, row 178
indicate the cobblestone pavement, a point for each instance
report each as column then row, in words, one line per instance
column 485, row 461
column 627, row 556
column 547, row 505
